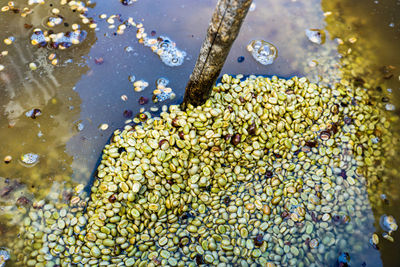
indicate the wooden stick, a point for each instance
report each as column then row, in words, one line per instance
column 222, row 32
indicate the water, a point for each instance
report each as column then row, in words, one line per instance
column 77, row 95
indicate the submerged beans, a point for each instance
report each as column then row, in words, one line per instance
column 248, row 178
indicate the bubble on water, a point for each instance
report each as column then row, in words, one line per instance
column 4, row 256
column 166, row 49
column 262, row 51
column 162, row 82
column 388, row 223
column 316, row 36
column 30, row 159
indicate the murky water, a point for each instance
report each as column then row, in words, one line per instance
column 83, row 91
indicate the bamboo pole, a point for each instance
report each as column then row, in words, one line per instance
column 222, row 32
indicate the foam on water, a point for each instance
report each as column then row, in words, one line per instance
column 60, row 40
column 162, row 92
column 166, row 49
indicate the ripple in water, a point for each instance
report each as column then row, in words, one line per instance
column 262, row 51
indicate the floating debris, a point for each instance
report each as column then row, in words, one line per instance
column 99, row 60
column 140, row 85
column 4, row 256
column 38, row 38
column 55, row 11
column 103, row 126
column 128, row 49
column 162, row 92
column 388, row 237
column 128, row 2
column 30, row 159
column 262, row 51
column 154, row 109
column 79, row 126
column 166, row 49
column 22, row 201
column 343, row 260
column 32, row 2
column 33, row 113
column 58, row 41
column 132, row 78
column 54, row 21
column 9, row 40
column 143, row 100
column 124, row 97
column 374, row 240
column 316, row 36
column 128, row 113
column 1, row 67
column 252, row 7
column 388, row 223
column 32, row 66
column 7, row 159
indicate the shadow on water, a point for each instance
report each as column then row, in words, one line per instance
column 76, row 97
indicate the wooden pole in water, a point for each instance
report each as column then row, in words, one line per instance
column 222, row 32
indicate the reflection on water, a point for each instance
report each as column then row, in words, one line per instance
column 38, row 108
column 368, row 41
column 74, row 96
